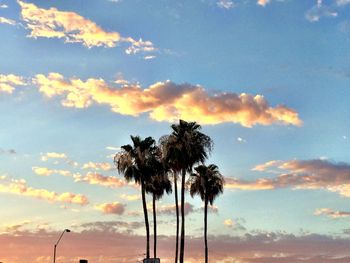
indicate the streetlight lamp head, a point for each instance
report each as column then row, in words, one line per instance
column 67, row 230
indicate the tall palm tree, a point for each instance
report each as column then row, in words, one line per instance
column 158, row 184
column 182, row 149
column 208, row 183
column 133, row 162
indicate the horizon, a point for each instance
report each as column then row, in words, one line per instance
column 267, row 80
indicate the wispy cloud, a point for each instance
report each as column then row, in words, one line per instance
column 53, row 155
column 3, row 6
column 130, row 197
column 97, row 166
column 331, row 213
column 9, row 82
column 342, row 2
column 9, row 151
column 320, row 10
column 99, row 179
column 19, row 187
column 73, row 28
column 111, row 208
column 167, row 101
column 226, row 4
column 300, row 174
column 44, row 171
column 4, row 20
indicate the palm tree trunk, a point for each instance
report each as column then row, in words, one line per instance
column 177, row 218
column 182, row 243
column 154, row 228
column 143, row 192
column 205, row 228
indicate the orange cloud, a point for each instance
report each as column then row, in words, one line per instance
column 263, row 2
column 331, row 213
column 300, row 174
column 98, row 166
column 99, row 179
column 73, row 28
column 44, row 171
column 9, row 82
column 19, row 187
column 167, row 101
column 228, row 222
column 130, row 197
column 111, row 208
column 53, row 155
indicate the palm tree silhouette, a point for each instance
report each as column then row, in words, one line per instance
column 158, row 184
column 208, row 183
column 133, row 161
column 182, row 149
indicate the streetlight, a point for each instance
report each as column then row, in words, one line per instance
column 54, row 250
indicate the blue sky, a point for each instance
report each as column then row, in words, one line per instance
column 268, row 81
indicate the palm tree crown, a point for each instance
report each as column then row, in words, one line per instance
column 207, row 182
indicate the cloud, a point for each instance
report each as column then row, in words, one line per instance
column 113, row 148
column 264, row 166
column 99, row 179
column 44, row 171
column 9, row 82
column 130, row 197
column 167, row 101
column 73, row 28
column 53, row 155
column 226, row 4
column 19, row 187
column 4, row 20
column 300, row 174
column 15, row 227
column 263, row 2
column 103, row 242
column 3, row 6
column 241, row 140
column 320, row 10
column 228, row 222
column 10, row 151
column 331, row 213
column 171, row 209
column 342, row 2
column 98, row 166
column 110, row 226
column 111, row 208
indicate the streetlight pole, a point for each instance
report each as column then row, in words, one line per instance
column 54, row 250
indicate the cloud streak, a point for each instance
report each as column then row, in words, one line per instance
column 167, row 101
column 73, row 28
column 19, row 187
column 99, row 179
column 331, row 213
column 300, row 174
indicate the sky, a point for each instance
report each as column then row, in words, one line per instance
column 268, row 80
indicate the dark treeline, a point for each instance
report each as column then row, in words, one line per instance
column 158, row 167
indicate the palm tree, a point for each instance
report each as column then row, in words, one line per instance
column 159, row 184
column 133, row 161
column 182, row 149
column 208, row 183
